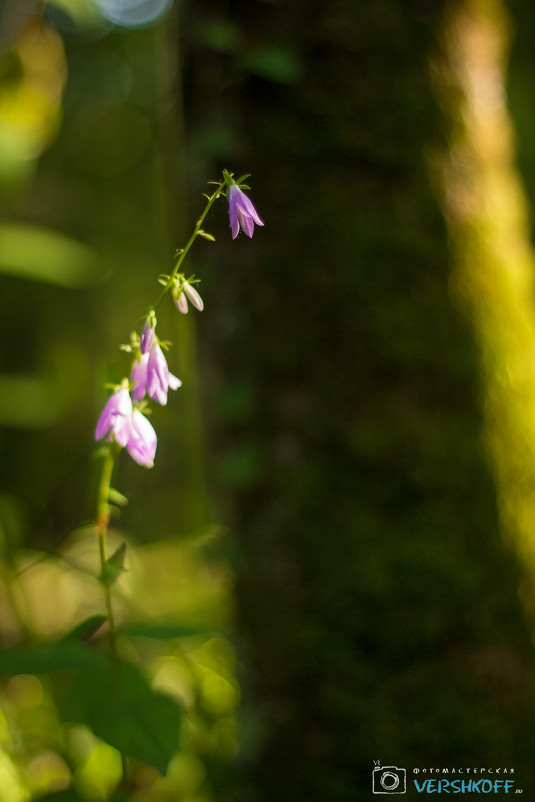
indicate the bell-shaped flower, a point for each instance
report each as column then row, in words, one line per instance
column 116, row 418
column 151, row 376
column 143, row 440
column 159, row 377
column 242, row 213
column 138, row 377
column 182, row 293
column 147, row 335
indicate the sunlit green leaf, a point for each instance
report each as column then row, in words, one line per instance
column 39, row 254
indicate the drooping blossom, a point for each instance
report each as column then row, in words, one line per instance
column 147, row 335
column 184, row 291
column 159, row 377
column 138, row 377
column 116, row 418
column 142, row 442
column 242, row 212
column 152, row 377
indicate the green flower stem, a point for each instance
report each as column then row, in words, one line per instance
column 103, row 517
column 102, row 522
column 184, row 251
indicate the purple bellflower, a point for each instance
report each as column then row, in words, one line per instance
column 128, row 426
column 147, row 336
column 142, row 443
column 242, row 213
column 152, row 377
column 116, row 418
column 138, row 377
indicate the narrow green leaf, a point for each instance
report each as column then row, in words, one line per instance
column 166, row 631
column 206, row 235
column 114, row 566
column 85, row 629
column 114, row 495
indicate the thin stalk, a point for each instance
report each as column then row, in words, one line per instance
column 103, row 517
column 184, row 251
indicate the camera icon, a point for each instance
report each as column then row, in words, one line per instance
column 389, row 780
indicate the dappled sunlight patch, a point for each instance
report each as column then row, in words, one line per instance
column 186, row 774
column 13, row 788
column 175, row 578
column 494, row 263
column 100, row 772
column 47, row 772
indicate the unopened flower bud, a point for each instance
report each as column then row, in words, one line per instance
column 182, row 293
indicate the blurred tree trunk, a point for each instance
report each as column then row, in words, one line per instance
column 379, row 615
column 488, row 219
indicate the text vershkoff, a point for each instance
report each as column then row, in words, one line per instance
column 458, row 780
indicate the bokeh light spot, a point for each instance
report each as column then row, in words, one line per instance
column 134, row 13
column 25, row 690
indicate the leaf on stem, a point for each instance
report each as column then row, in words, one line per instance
column 85, row 629
column 117, row 498
column 114, row 566
column 166, row 631
column 120, row 707
column 206, row 235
